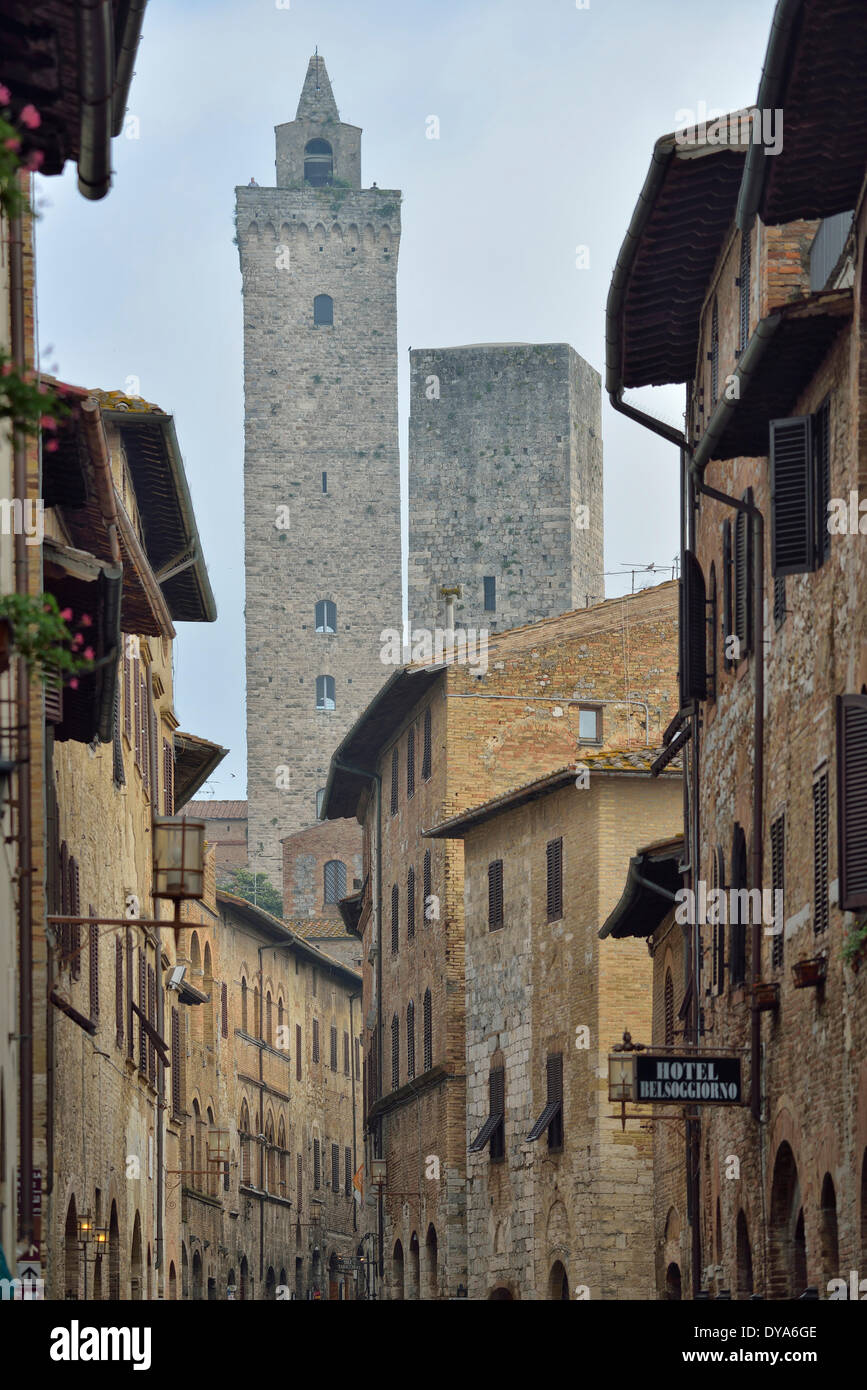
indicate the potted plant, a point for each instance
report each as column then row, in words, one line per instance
column 810, row 973
column 38, row 632
column 855, row 944
column 766, row 994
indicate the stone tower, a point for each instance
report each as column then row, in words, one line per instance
column 505, row 484
column 321, row 470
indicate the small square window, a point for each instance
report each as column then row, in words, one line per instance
column 590, row 725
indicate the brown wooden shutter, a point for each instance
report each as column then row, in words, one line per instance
column 299, row 1180
column 410, row 763
column 728, row 611
column 118, row 773
column 693, row 631
column 176, row 1062
column 130, row 995
column 118, row 991
column 224, row 1009
column 136, row 683
column 744, row 292
column 316, row 1165
column 821, row 909
column 714, row 355
column 495, row 895
column 63, row 870
column 395, row 1052
column 822, row 479
column 426, row 884
column 778, row 883
column 347, row 1167
column 852, row 800
column 792, row 501
column 142, row 1003
column 74, row 911
column 316, row 1039
column 127, row 690
column 145, row 738
column 555, row 879
column 333, row 1048
column 345, row 1054
column 428, row 1030
column 395, row 918
column 395, row 772
column 410, row 1040
column 297, row 1051
column 168, row 778
column 152, row 1019
column 52, row 687
column 426, row 754
column 93, row 962
column 335, row 1167
column 554, row 1086
column 742, row 586
column 410, row 903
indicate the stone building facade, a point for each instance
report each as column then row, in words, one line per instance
column 774, row 682
column 434, row 742
column 562, row 1211
column 319, row 265
column 225, row 829
column 505, row 484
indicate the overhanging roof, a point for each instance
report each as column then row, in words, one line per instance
column 87, row 585
column 677, row 231
column 814, row 71
column 272, row 927
column 195, row 760
column 652, row 880
column 769, row 382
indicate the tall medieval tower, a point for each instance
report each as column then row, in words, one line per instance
column 321, row 467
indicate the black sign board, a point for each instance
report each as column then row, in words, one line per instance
column 688, row 1080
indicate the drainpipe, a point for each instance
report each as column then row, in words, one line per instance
column 24, row 772
column 352, row 1073
column 160, row 1000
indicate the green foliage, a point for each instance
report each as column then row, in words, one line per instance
column 27, row 402
column 41, row 636
column 256, row 888
column 856, row 940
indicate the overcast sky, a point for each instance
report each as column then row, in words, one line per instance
column 547, row 115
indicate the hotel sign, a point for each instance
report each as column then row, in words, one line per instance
column 701, row 1080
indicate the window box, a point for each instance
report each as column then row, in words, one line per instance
column 766, row 995
column 811, row 973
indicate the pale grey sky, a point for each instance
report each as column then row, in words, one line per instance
column 548, row 114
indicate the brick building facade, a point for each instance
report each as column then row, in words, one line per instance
column 319, row 265
column 225, row 829
column 505, row 483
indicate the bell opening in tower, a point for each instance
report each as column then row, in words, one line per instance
column 318, row 163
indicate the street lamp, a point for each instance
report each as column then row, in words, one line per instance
column 179, row 858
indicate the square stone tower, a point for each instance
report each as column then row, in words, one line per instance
column 321, row 469
column 505, row 483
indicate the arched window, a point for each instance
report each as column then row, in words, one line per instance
column 318, row 163
column 426, row 746
column 244, row 1028
column 320, row 801
column 395, row 1053
column 244, row 1135
column 269, row 1035
column 282, row 1159
column 410, row 903
column 326, row 616
column 323, row 310
column 395, row 918
column 325, row 692
column 208, row 1009
column 212, row 1150
column 335, row 880
column 410, row 1040
column 714, row 355
column 270, row 1156
column 428, row 1031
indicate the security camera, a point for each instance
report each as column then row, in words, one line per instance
column 176, row 977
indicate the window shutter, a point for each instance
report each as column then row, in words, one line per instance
column 53, row 694
column 428, row 1030
column 714, row 355
column 410, row 763
column 778, row 883
column 728, row 627
column 176, row 1063
column 822, row 475
column 792, row 503
column 495, row 894
column 316, row 1039
column 779, row 600
column 744, row 288
column 335, row 1167
column 299, row 1181
column 117, row 744
column 693, row 632
column 224, row 1010
column 852, row 800
column 426, row 884
column 152, row 1019
column 345, row 1053
column 395, row 1053
column 743, row 576
column 410, row 1040
column 168, row 778
column 136, row 684
column 347, row 1171
column 395, row 918
column 145, row 739
column 297, row 1051
column 426, row 754
column 316, row 1165
column 669, row 1009
column 395, row 773
column 410, row 903
column 554, row 1086
column 130, row 995
column 555, row 879
column 127, row 690
column 93, row 945
column 142, row 1003
column 74, row 911
column 118, row 991
column 820, row 853
column 333, row 1048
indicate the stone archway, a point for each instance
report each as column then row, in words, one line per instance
column 787, row 1275
column 558, row 1282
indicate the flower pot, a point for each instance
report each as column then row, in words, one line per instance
column 766, row 994
column 808, row 974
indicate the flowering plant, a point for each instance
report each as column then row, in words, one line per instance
column 41, row 635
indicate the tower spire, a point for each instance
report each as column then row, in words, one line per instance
column 317, row 99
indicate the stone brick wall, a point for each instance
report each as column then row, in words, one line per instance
column 305, row 855
column 318, row 399
column 505, row 444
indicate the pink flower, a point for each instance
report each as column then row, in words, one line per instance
column 77, row 640
column 48, row 422
column 13, row 143
column 73, row 684
column 7, row 369
column 34, row 161
column 52, row 446
column 5, row 95
column 30, row 117
column 89, row 654
column 86, row 620
column 66, row 614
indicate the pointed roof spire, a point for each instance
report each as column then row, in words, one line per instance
column 317, row 99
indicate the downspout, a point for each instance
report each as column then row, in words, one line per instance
column 260, row 1031
column 24, row 771
column 95, row 24
column 353, row 1080
column 160, row 1000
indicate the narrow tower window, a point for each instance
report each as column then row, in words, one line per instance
column 490, row 582
column 324, row 481
column 323, row 309
column 318, row 163
column 325, row 692
column 326, row 616
column 335, row 880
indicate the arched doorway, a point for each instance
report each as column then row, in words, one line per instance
column 500, row 1295
column 244, row 1286
column 673, row 1290
column 413, row 1289
column 71, row 1252
column 113, row 1255
column 744, row 1257
column 432, row 1272
column 828, row 1242
column 558, row 1283
column 333, row 1276
column 270, row 1283
column 197, row 1276
column 135, row 1262
column 397, row 1289
column 173, row 1281
column 786, row 1247
column 231, row 1286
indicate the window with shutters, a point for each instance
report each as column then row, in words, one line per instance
column 93, row 963
column 800, row 491
column 136, row 682
column 410, row 764
column 269, row 1019
column 118, row 991
column 821, row 427
column 738, row 929
column 492, row 1131
column 127, row 691
column 316, row 1039
column 224, row 1009
column 742, row 586
column 317, row 1171
column 852, row 800
column 152, row 1020
column 495, row 895
column 176, row 1063
column 410, row 903
column 395, row 773
column 554, row 853
column 335, row 1167
column 144, row 742
column 325, row 698
column 395, row 1052
column 778, row 884
column 333, row 1048
column 551, row 1119
column 168, row 778
column 347, row 1172
column 130, row 995
column 779, row 601
column 74, row 911
column 426, row 886
column 326, row 615
column 244, row 1018
column 345, row 1053
column 427, row 746
column 428, row 1030
column 395, row 919
column 299, row 1181
column 297, row 1051
column 669, row 1009
column 714, row 355
column 117, row 770
column 744, row 293
column 142, row 1003
column 820, row 853
column 410, row 1040
column 334, row 875
column 693, row 631
column 728, row 606
column 719, row 928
